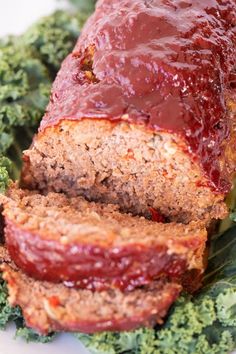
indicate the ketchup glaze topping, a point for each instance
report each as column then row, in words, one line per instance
column 166, row 64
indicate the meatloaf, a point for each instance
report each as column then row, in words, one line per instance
column 141, row 120
column 52, row 307
column 142, row 112
column 94, row 246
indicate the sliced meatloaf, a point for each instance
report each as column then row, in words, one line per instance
column 50, row 307
column 92, row 245
column 142, row 113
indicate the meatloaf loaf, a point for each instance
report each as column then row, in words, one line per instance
column 50, row 307
column 142, row 112
column 94, row 246
column 141, row 116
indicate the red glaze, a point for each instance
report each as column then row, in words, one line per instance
column 94, row 267
column 162, row 63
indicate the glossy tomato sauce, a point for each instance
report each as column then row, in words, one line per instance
column 166, row 64
column 96, row 268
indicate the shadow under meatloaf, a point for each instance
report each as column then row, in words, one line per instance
column 94, row 246
column 51, row 307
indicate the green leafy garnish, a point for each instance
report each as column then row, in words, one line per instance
column 53, row 37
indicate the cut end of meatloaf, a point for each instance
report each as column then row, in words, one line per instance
column 50, row 307
column 123, row 164
column 85, row 244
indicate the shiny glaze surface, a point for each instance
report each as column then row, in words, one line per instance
column 95, row 268
column 166, row 64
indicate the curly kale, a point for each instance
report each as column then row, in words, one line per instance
column 53, row 37
column 24, row 89
column 6, row 168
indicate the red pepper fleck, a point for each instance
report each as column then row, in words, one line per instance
column 130, row 154
column 54, row 301
column 156, row 216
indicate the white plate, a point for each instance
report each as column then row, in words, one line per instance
column 15, row 17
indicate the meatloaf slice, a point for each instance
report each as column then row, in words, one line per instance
column 86, row 244
column 54, row 307
column 142, row 112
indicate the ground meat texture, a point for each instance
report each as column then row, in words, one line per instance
column 4, row 255
column 92, row 245
column 145, row 118
column 122, row 164
column 50, row 307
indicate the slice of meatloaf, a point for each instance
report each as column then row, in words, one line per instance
column 93, row 245
column 142, row 113
column 54, row 307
